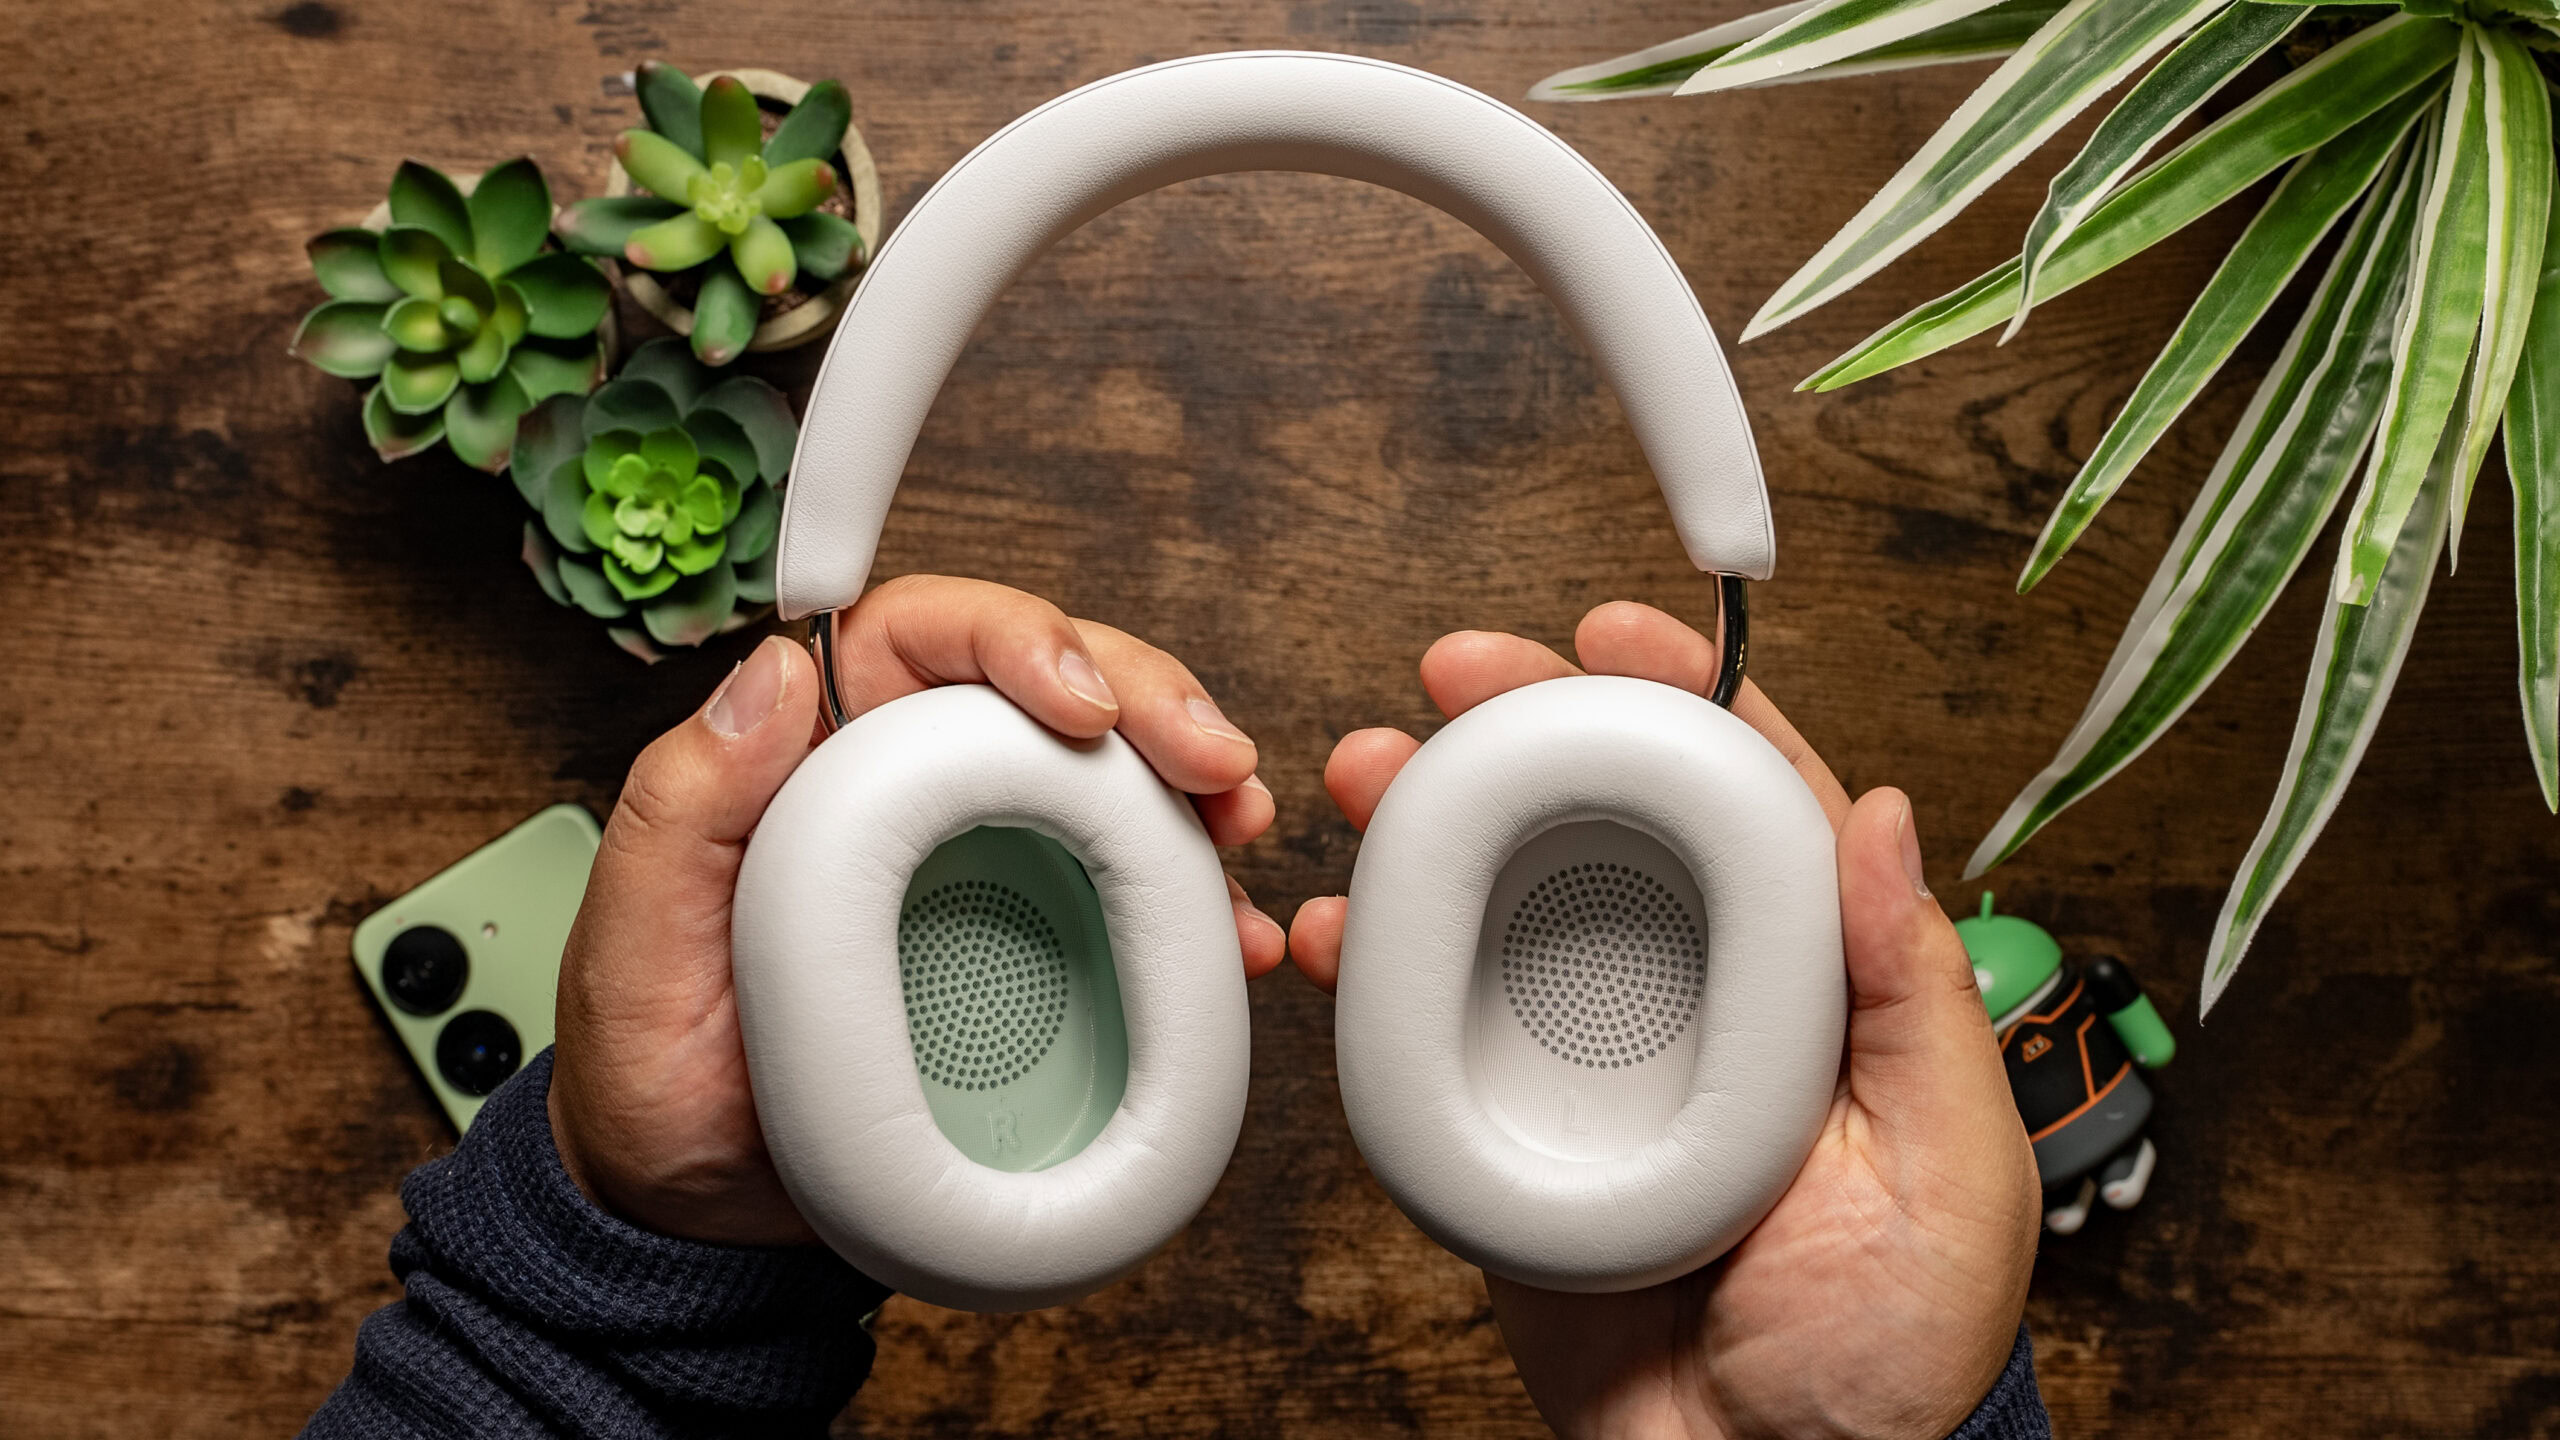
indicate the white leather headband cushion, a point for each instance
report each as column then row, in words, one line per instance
column 1053, row 169
column 1727, row 805
column 815, row 946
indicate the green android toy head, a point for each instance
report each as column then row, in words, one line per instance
column 2011, row 956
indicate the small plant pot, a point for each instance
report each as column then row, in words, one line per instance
column 798, row 315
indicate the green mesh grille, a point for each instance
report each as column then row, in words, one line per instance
column 985, row 976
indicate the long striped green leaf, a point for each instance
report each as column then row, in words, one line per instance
column 2352, row 672
column 2382, row 75
column 2079, row 55
column 2533, row 465
column 2313, row 414
column 1660, row 69
column 2270, row 492
column 2312, row 196
column 1826, row 32
column 2431, row 358
column 1984, row 35
column 2203, row 63
column 2517, row 110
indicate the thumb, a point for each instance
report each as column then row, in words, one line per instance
column 638, row 1104
column 671, row 850
column 1922, row 1059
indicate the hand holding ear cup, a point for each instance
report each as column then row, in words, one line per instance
column 1591, row 998
column 649, row 1097
column 1035, row 1027
column 1587, row 959
column 995, row 1073
column 1882, row 1295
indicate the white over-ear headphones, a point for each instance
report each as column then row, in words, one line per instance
column 1591, row 999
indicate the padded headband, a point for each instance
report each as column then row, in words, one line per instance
column 1062, row 164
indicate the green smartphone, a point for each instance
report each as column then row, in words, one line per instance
column 467, row 966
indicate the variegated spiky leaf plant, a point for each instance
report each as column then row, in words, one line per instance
column 2420, row 134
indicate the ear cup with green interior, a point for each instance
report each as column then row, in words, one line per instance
column 992, row 1001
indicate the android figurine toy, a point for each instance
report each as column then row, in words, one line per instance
column 2076, row 1039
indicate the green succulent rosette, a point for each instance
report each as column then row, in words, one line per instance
column 458, row 311
column 724, row 200
column 658, row 498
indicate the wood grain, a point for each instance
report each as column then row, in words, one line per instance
column 1292, row 429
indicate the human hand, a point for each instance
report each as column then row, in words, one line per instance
column 1882, row 1294
column 650, row 1101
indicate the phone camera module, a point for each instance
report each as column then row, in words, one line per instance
column 423, row 969
column 477, row 1051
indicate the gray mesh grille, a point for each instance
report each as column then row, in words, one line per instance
column 986, row 984
column 1603, row 965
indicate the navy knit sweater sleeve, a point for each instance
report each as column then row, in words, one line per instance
column 2013, row 1410
column 530, row 1312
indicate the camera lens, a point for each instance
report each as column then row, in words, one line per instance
column 477, row 1052
column 423, row 969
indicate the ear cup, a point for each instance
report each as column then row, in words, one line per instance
column 992, row 1000
column 1592, row 999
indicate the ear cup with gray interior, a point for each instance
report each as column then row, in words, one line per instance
column 992, row 1001
column 1592, row 1001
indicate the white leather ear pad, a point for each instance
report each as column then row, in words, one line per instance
column 1592, row 999
column 815, row 945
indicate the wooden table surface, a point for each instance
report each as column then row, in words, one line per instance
column 1292, row 429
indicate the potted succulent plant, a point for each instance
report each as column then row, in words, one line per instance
column 2420, row 133
column 658, row 498
column 742, row 211
column 453, row 302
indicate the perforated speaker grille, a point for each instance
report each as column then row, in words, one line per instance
column 1603, row 965
column 986, row 983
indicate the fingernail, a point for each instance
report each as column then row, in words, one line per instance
column 1909, row 830
column 744, row 699
column 1206, row 714
column 1085, row 682
column 1254, row 782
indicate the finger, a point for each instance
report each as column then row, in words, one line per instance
column 1753, row 707
column 646, row 968
column 1264, row 943
column 692, row 797
column 1357, row 773
column 1922, row 1059
column 1464, row 670
column 1235, row 817
column 1315, row 939
column 659, row 891
column 1168, row 715
column 1625, row 638
column 919, row 631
